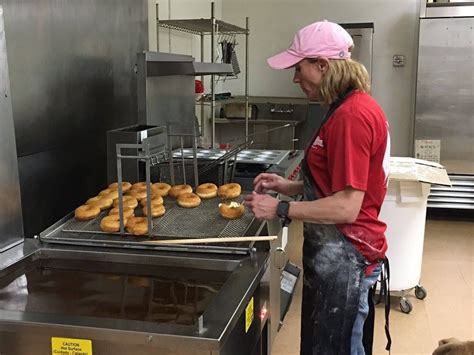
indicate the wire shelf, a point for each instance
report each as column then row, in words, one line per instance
column 201, row 26
column 200, row 222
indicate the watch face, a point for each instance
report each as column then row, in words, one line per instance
column 282, row 209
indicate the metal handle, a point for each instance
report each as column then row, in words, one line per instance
column 280, row 258
column 288, row 109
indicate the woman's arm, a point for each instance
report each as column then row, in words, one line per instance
column 339, row 208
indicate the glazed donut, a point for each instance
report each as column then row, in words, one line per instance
column 188, row 200
column 127, row 212
column 156, row 200
column 111, row 223
column 86, row 212
column 100, row 201
column 112, row 194
column 207, row 190
column 156, row 210
column 161, row 188
column 125, row 186
column 231, row 190
column 105, row 192
column 177, row 190
column 137, row 225
column 128, row 201
column 139, row 186
column 140, row 194
column 231, row 210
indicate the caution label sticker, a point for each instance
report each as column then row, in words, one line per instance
column 69, row 346
column 249, row 315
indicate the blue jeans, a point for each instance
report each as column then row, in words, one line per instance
column 367, row 282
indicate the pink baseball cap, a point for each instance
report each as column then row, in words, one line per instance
column 320, row 39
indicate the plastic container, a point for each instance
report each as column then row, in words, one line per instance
column 404, row 212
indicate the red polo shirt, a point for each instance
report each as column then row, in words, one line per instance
column 353, row 150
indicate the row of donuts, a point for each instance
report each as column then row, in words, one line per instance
column 137, row 192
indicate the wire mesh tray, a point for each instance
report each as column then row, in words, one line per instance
column 200, row 222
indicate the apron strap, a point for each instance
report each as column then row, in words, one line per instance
column 385, row 293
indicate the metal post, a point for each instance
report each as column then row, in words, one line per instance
column 183, row 164
column 247, row 113
column 120, row 190
column 195, row 163
column 157, row 28
column 148, row 188
column 213, row 96
column 203, row 122
column 170, row 155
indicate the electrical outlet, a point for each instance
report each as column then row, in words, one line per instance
column 398, row 60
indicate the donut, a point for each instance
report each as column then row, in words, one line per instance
column 110, row 223
column 161, row 188
column 128, row 201
column 125, row 186
column 207, row 190
column 177, row 190
column 127, row 212
column 143, row 188
column 140, row 186
column 137, row 225
column 105, row 192
column 156, row 200
column 231, row 210
column 231, row 190
column 188, row 200
column 140, row 194
column 100, row 201
column 112, row 194
column 157, row 210
column 86, row 212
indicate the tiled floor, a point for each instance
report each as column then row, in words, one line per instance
column 447, row 311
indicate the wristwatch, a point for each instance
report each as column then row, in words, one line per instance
column 282, row 209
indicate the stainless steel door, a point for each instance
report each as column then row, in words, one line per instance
column 444, row 124
column 11, row 224
column 362, row 35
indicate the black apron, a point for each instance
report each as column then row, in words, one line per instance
column 333, row 270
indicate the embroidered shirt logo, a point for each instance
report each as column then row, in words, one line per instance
column 318, row 142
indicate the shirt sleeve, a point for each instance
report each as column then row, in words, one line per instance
column 349, row 141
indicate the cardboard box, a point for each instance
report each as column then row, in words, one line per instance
column 411, row 169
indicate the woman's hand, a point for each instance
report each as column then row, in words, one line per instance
column 265, row 182
column 262, row 206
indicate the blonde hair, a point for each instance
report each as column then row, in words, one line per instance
column 342, row 74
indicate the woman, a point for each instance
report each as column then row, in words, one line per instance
column 344, row 184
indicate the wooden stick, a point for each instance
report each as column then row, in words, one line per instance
column 213, row 240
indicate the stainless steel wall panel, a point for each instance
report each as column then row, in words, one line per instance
column 11, row 224
column 445, row 91
column 72, row 79
column 166, row 91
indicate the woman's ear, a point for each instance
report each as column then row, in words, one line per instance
column 323, row 65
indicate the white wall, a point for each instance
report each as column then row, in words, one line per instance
column 274, row 22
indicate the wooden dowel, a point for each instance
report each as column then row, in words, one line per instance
column 213, row 240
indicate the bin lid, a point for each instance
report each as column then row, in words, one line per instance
column 411, row 169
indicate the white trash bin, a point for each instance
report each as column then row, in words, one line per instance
column 404, row 212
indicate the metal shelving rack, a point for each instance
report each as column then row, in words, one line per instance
column 212, row 26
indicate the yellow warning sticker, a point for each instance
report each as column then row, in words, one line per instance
column 249, row 315
column 69, row 346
